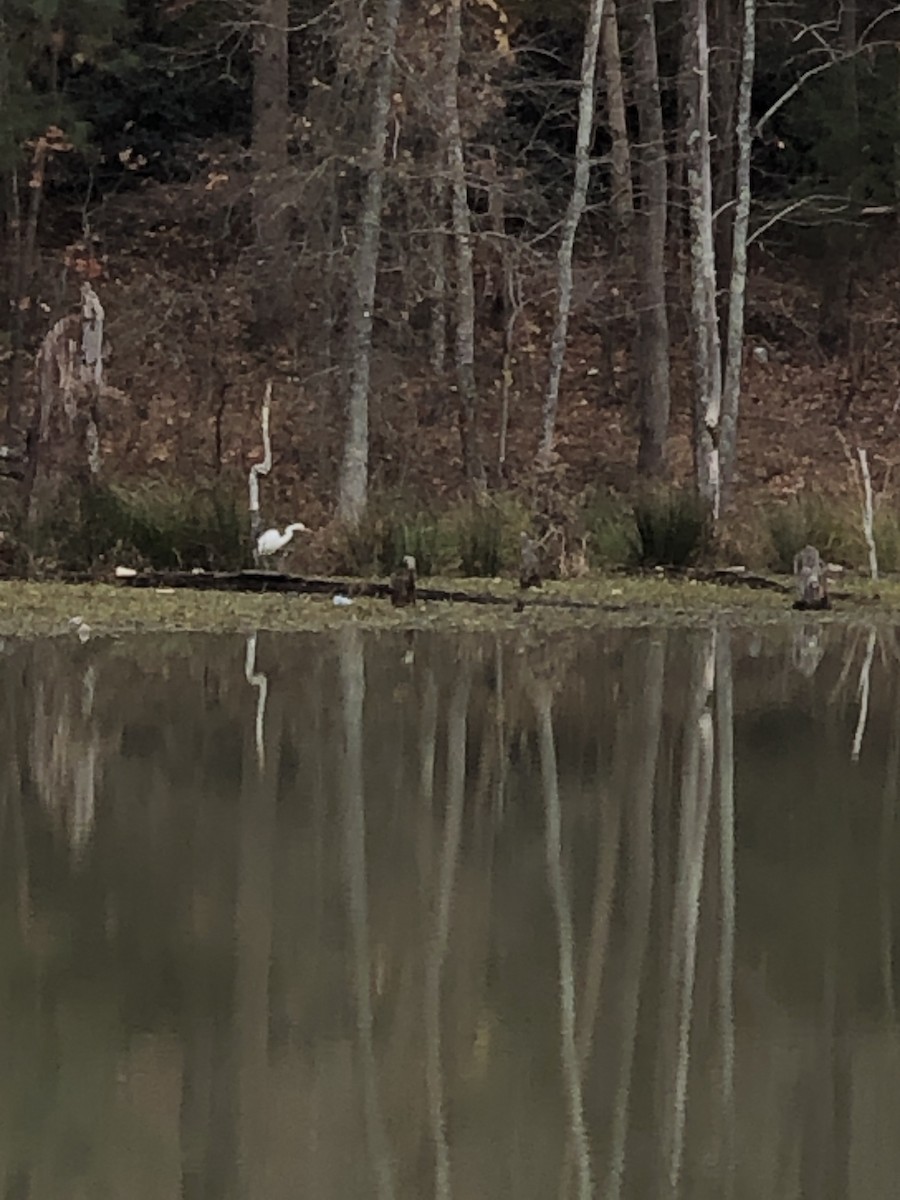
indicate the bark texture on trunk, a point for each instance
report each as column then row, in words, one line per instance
column 724, row 84
column 462, row 241
column 622, row 198
column 707, row 349
column 838, row 252
column 574, row 211
column 438, row 241
column 271, row 214
column 354, row 485
column 737, row 287
column 650, row 251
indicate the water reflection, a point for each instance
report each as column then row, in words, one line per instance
column 603, row 914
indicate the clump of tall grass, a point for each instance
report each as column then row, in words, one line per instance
column 152, row 524
column 608, row 523
column 887, row 539
column 391, row 529
column 485, row 533
column 809, row 519
column 673, row 527
column 475, row 537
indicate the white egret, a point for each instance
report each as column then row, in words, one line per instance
column 271, row 541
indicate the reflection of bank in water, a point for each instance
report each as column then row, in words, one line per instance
column 807, row 650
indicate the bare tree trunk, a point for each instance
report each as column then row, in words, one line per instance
column 70, row 379
column 838, row 257
column 513, row 291
column 505, row 288
column 678, row 194
column 22, row 260
column 707, row 350
column 737, row 284
column 271, row 293
column 723, row 89
column 13, row 230
column 622, row 199
column 650, row 243
column 438, row 240
column 574, row 211
column 354, row 485
column 462, row 237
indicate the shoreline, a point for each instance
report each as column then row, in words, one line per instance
column 53, row 608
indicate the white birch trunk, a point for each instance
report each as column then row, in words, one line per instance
column 260, row 468
column 354, row 485
column 734, row 346
column 462, row 239
column 707, row 349
column 574, row 212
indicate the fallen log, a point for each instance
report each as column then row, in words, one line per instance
column 731, row 576
column 275, row 581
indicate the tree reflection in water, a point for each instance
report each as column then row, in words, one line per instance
column 601, row 913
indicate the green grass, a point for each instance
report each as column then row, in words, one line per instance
column 472, row 538
column 152, row 524
column 809, row 519
column 608, row 523
column 391, row 529
column 887, row 539
column 672, row 528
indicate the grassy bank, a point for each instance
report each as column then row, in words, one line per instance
column 158, row 526
column 56, row 609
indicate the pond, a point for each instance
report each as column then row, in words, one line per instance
column 608, row 913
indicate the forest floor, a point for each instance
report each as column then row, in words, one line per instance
column 187, row 381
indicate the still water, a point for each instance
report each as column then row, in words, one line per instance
column 604, row 914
